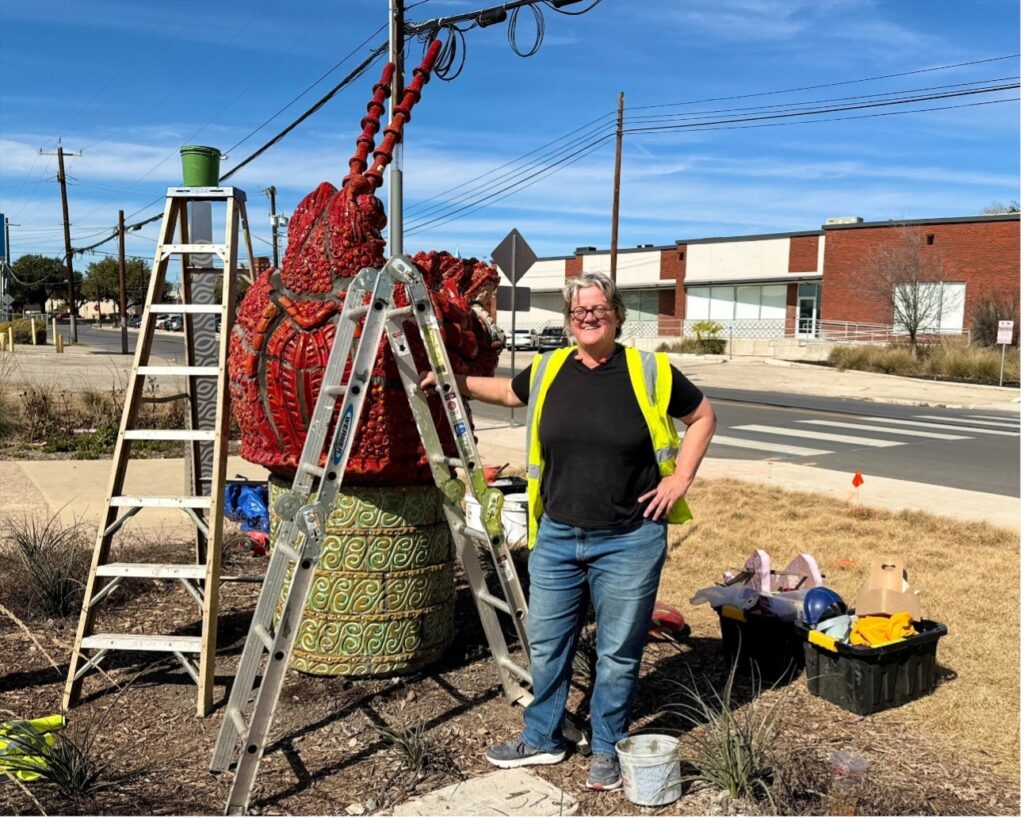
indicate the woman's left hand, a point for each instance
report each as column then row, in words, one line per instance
column 668, row 492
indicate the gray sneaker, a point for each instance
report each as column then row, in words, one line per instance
column 517, row 753
column 604, row 773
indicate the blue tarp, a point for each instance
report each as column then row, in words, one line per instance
column 245, row 502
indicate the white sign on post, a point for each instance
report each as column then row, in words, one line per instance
column 1005, row 333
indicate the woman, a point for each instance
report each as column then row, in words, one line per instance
column 605, row 477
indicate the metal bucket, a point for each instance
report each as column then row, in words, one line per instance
column 382, row 601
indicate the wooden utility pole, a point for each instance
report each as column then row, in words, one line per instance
column 67, row 236
column 615, row 192
column 122, row 306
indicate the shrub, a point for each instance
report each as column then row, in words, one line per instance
column 694, row 346
column 23, row 330
column 987, row 314
column 950, row 358
column 51, row 560
column 730, row 748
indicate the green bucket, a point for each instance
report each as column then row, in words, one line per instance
column 200, row 166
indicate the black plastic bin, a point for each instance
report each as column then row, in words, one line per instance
column 765, row 645
column 865, row 680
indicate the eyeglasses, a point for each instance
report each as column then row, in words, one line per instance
column 599, row 312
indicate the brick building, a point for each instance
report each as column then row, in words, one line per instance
column 788, row 284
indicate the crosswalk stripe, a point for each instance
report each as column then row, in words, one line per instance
column 930, row 425
column 1006, row 418
column 1006, row 424
column 787, row 431
column 781, row 448
column 886, row 430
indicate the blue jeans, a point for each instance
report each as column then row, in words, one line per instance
column 622, row 568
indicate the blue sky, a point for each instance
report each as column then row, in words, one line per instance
column 128, row 83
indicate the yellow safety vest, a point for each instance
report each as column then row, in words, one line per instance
column 651, row 376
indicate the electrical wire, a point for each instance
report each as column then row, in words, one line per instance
column 513, row 26
column 832, row 84
column 568, row 13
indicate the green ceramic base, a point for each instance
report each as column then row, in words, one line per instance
column 382, row 601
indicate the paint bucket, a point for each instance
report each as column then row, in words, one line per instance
column 200, row 166
column 650, row 769
column 513, row 517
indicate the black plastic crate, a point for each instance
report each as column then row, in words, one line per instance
column 865, row 680
column 765, row 645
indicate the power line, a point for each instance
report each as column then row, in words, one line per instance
column 832, row 84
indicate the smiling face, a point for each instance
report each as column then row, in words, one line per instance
column 593, row 330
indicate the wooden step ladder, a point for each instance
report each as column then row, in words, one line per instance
column 203, row 502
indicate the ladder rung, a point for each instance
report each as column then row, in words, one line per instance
column 160, row 502
column 335, row 391
column 514, row 669
column 264, row 636
column 211, row 371
column 183, row 308
column 238, row 720
column 151, row 570
column 170, row 434
column 140, row 641
column 211, row 192
column 168, row 249
column 494, row 602
column 313, row 469
column 446, row 461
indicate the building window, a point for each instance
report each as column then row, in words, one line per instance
column 747, row 302
column 930, row 238
column 935, row 307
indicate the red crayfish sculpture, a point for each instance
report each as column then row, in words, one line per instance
column 285, row 323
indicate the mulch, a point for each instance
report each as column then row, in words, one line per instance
column 331, row 753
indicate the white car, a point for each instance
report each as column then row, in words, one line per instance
column 523, row 339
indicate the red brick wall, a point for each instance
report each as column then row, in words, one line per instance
column 803, row 254
column 985, row 255
column 680, row 305
column 792, row 291
column 672, row 303
column 573, row 267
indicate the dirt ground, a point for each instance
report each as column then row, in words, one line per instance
column 331, row 753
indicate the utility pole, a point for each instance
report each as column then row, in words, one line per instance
column 67, row 236
column 615, row 190
column 122, row 306
column 396, row 54
column 272, row 193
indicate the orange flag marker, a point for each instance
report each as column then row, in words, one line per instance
column 858, row 479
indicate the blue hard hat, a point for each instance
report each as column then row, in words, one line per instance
column 822, row 603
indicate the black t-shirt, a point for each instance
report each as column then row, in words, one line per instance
column 595, row 442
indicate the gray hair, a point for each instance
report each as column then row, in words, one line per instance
column 603, row 283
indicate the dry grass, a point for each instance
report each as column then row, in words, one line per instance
column 968, row 574
column 948, row 358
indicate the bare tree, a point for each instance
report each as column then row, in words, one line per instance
column 906, row 275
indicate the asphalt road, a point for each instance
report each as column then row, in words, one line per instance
column 108, row 342
column 964, row 449
column 978, row 451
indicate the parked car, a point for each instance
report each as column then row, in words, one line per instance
column 135, row 321
column 63, row 316
column 175, row 324
column 523, row 339
column 551, row 338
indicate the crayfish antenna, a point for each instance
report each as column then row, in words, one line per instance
column 370, row 123
column 402, row 114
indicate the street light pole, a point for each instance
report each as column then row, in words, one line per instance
column 396, row 55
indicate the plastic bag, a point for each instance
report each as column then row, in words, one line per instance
column 246, row 503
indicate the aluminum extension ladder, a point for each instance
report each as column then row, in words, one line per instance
column 301, row 534
column 202, row 501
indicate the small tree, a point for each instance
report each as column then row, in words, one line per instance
column 908, row 280
column 103, row 280
column 35, row 278
column 998, row 208
column 987, row 314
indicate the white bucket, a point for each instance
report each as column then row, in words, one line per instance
column 513, row 517
column 650, row 769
